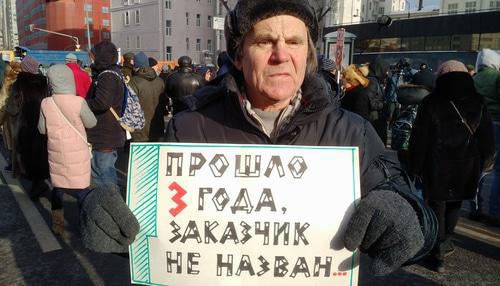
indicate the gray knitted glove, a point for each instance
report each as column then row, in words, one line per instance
column 107, row 224
column 386, row 227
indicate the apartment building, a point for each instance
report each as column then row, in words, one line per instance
column 88, row 20
column 168, row 29
column 468, row 6
column 8, row 25
column 345, row 12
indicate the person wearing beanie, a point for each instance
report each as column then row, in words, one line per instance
column 29, row 148
column 487, row 83
column 82, row 79
column 141, row 60
column 29, row 65
column 69, row 155
column 451, row 143
column 107, row 91
column 149, row 88
column 182, row 83
column 128, row 65
column 274, row 95
column 328, row 70
column 409, row 95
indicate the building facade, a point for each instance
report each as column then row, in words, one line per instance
column 8, row 25
column 87, row 20
column 359, row 11
column 169, row 29
column 468, row 6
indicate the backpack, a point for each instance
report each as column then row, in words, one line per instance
column 401, row 128
column 131, row 116
column 398, row 181
column 377, row 99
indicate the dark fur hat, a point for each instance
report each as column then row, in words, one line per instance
column 246, row 13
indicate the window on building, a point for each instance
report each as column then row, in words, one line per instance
column 209, row 1
column 381, row 10
column 127, row 42
column 88, row 20
column 138, row 42
column 437, row 43
column 464, row 42
column 187, row 44
column 105, row 23
column 390, row 44
column 106, row 35
column 168, row 27
column 168, row 53
column 126, row 18
column 127, row 2
column 198, row 20
column 198, row 44
column 137, row 1
column 137, row 17
column 413, row 44
column 209, row 21
column 494, row 4
column 168, row 4
column 490, row 41
column 470, row 7
column 105, row 10
column 453, row 8
column 209, row 45
column 87, row 7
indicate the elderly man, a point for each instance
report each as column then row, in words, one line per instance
column 273, row 95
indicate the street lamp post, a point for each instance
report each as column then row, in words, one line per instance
column 77, row 44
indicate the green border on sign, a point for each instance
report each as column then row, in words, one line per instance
column 146, row 156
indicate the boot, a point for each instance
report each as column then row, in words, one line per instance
column 448, row 247
column 437, row 257
column 58, row 222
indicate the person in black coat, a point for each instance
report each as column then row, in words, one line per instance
column 451, row 143
column 30, row 153
column 182, row 83
column 274, row 95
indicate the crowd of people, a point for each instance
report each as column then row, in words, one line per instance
column 270, row 88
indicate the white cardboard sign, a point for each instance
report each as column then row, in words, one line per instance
column 220, row 214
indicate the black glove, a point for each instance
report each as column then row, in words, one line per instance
column 386, row 227
column 107, row 224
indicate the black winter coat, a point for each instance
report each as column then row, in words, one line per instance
column 24, row 105
column 357, row 101
column 442, row 152
column 182, row 83
column 216, row 116
column 106, row 91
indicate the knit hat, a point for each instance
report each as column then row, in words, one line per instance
column 246, row 13
column 61, row 79
column 152, row 62
column 141, row 60
column 71, row 58
column 326, row 64
column 30, row 64
column 107, row 224
column 424, row 78
column 450, row 66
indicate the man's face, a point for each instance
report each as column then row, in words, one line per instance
column 273, row 61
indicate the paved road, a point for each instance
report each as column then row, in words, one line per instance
column 31, row 255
